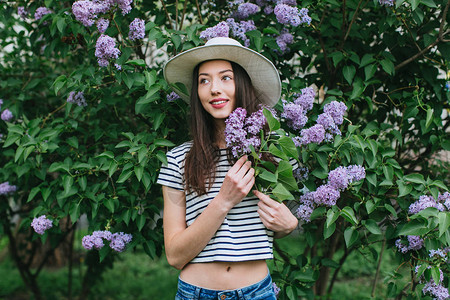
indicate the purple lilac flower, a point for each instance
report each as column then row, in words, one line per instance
column 423, row 203
column 220, row 30
column 306, row 98
column 304, row 212
column 276, row 289
column 268, row 10
column 6, row 188
column 301, row 173
column 41, row 11
column 1, row 103
column 77, row 98
column 314, row 134
column 415, row 242
column 283, row 40
column 356, row 173
column 22, row 12
column 287, row 2
column 118, row 67
column 102, row 25
column 7, row 115
column 85, row 12
column 326, row 120
column 436, row 290
column 326, row 195
column 41, row 224
column 241, row 133
column 172, row 96
column 338, row 178
column 245, row 10
column 445, row 198
column 336, row 110
column 125, row 6
column 438, row 253
column 400, row 246
column 289, row 15
column 238, row 29
column 105, row 49
column 235, row 3
column 294, row 115
column 386, row 2
column 137, row 29
column 119, row 241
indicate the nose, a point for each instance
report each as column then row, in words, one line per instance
column 215, row 87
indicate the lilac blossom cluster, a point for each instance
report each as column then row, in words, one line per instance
column 105, row 49
column 220, row 30
column 439, row 253
column 77, row 98
column 301, row 173
column 242, row 132
column 137, row 29
column 415, row 242
column 41, row 11
column 327, row 194
column 86, row 11
column 238, row 29
column 7, row 115
column 326, row 126
column 117, row 241
column 442, row 203
column 102, row 25
column 283, row 40
column 244, row 10
column 22, row 12
column 6, row 188
column 436, row 290
column 276, row 289
column 295, row 112
column 172, row 97
column 386, row 2
column 41, row 224
column 291, row 15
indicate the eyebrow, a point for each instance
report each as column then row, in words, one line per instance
column 223, row 71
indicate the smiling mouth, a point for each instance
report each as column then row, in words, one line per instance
column 218, row 101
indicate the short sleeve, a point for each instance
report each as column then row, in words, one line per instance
column 170, row 175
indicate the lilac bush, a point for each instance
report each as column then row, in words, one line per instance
column 117, row 241
column 41, row 224
column 105, row 50
column 137, row 29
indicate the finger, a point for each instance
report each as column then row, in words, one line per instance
column 265, row 218
column 244, row 169
column 266, row 199
column 237, row 166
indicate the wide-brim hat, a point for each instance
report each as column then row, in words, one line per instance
column 263, row 74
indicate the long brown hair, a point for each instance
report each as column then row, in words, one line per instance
column 201, row 160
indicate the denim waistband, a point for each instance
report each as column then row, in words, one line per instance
column 260, row 290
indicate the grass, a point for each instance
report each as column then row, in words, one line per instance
column 136, row 276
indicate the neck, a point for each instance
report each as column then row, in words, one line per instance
column 220, row 133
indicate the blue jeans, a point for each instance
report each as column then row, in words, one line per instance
column 262, row 290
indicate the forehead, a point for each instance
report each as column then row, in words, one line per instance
column 214, row 66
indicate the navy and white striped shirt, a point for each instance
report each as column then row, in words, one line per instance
column 242, row 235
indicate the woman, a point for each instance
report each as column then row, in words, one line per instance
column 218, row 231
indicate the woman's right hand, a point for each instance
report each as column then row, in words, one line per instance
column 237, row 184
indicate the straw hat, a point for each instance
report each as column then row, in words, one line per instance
column 262, row 72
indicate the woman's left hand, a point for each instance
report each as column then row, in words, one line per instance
column 275, row 216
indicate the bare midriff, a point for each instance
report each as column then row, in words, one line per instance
column 224, row 275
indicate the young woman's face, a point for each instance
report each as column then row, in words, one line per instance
column 216, row 88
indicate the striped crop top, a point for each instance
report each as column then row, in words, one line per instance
column 242, row 235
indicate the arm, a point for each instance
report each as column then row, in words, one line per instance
column 275, row 216
column 183, row 243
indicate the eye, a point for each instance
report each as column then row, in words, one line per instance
column 203, row 81
column 227, row 77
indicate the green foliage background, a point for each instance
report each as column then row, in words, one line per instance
column 388, row 64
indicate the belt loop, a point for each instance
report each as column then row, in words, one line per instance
column 240, row 294
column 197, row 292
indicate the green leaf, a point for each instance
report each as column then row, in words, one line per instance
column 82, row 181
column 366, row 59
column 358, row 88
column 19, row 152
column 391, row 209
column 329, row 263
column 277, row 152
column 103, row 252
column 348, row 213
column 33, row 193
column 268, row 176
column 350, row 236
column 109, row 204
column 444, row 222
column 370, row 206
column 136, row 62
column 140, row 221
column 139, row 171
column 429, row 118
column 332, row 216
column 163, row 143
column 388, row 66
column 415, row 178
column 413, row 227
column 288, row 146
column 107, row 154
column 328, row 231
column 349, row 72
column 439, row 184
column 274, row 124
column 74, row 212
column 124, row 176
column 372, row 226
column 369, row 71
column 282, row 193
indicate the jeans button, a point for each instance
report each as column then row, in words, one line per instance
column 223, row 297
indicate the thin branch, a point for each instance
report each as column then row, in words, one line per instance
column 199, row 12
column 378, row 269
column 167, row 14
column 183, row 15
column 176, row 14
column 352, row 21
